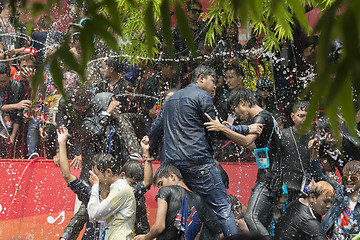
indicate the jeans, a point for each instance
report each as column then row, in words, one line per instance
column 260, row 210
column 206, row 181
column 32, row 135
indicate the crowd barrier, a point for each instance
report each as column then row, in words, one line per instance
column 36, row 203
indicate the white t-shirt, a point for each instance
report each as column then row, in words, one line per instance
column 117, row 210
column 345, row 224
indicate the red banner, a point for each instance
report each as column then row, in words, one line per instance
column 43, row 205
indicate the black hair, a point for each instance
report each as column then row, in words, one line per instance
column 164, row 172
column 104, row 161
column 44, row 22
column 82, row 97
column 3, row 4
column 303, row 106
column 242, row 94
column 312, row 40
column 264, row 84
column 133, row 169
column 116, row 64
column 323, row 123
column 238, row 70
column 5, row 68
column 204, row 70
column 189, row 3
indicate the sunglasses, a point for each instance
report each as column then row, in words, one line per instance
column 353, row 178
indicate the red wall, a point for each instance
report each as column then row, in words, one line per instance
column 44, row 197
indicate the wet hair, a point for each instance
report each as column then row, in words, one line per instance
column 323, row 123
column 352, row 166
column 234, row 202
column 82, row 97
column 303, row 106
column 133, row 169
column 104, row 161
column 116, row 64
column 264, row 83
column 238, row 70
column 44, row 22
column 243, row 94
column 3, row 4
column 192, row 2
column 26, row 57
column 312, row 40
column 5, row 68
column 164, row 172
column 204, row 70
column 322, row 187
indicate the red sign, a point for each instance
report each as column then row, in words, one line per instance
column 43, row 205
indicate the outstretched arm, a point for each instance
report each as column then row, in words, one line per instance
column 239, row 139
column 159, row 225
column 148, row 171
column 63, row 134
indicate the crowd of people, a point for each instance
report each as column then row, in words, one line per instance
column 237, row 103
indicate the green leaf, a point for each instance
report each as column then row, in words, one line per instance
column 184, row 29
column 150, row 28
column 166, row 27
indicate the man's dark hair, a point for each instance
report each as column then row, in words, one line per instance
column 238, row 70
column 5, row 68
column 3, row 4
column 116, row 64
column 303, row 106
column 323, row 123
column 192, row 2
column 164, row 172
column 44, row 22
column 204, row 70
column 242, row 94
column 133, row 169
column 104, row 161
column 234, row 202
column 82, row 97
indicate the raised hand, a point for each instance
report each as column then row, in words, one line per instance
column 62, row 134
column 213, row 125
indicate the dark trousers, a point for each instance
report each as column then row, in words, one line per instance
column 260, row 210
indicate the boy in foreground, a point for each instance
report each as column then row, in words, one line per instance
column 170, row 197
column 137, row 176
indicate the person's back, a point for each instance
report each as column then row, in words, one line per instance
column 298, row 222
column 121, row 224
column 184, row 132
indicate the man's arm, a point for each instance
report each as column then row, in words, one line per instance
column 148, row 171
column 15, row 129
column 315, row 166
column 62, row 133
column 159, row 225
column 16, row 106
column 239, row 139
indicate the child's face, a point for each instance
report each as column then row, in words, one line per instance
column 162, row 182
column 298, row 117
